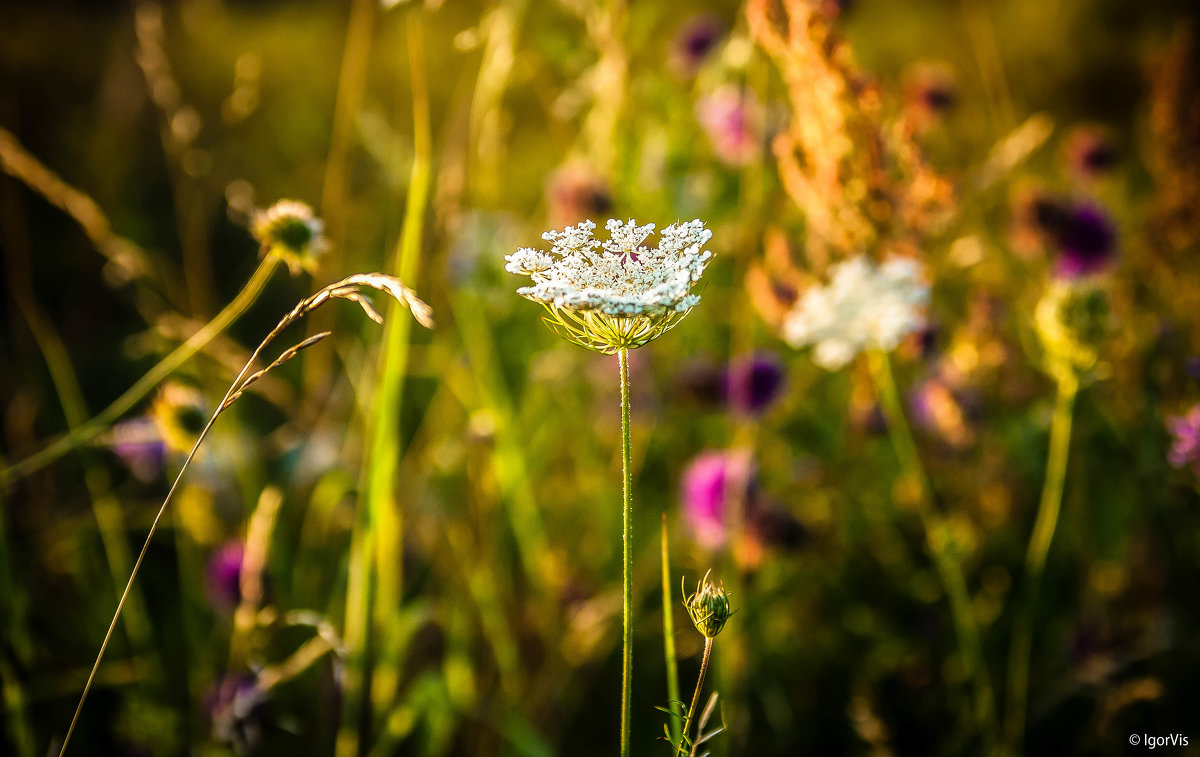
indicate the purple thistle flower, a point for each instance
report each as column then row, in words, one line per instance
column 223, row 574
column 140, row 446
column 694, row 42
column 1084, row 234
column 751, row 384
column 1185, row 442
column 710, row 485
column 1086, row 241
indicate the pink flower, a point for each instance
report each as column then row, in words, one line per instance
column 712, row 483
column 732, row 118
column 1185, row 442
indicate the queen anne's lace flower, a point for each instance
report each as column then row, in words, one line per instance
column 617, row 294
column 864, row 307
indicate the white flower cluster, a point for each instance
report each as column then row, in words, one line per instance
column 620, row 277
column 864, row 306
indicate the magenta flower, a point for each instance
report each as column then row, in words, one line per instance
column 1087, row 242
column 732, row 119
column 712, row 483
column 1185, row 441
column 1083, row 234
column 752, row 384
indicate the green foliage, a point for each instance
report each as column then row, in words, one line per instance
column 442, row 573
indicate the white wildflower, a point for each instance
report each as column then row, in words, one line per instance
column 291, row 230
column 618, row 293
column 864, row 306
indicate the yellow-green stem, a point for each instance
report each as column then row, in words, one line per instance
column 352, row 83
column 85, row 432
column 691, row 713
column 675, row 703
column 627, row 558
column 374, row 592
column 1035, row 561
column 937, row 537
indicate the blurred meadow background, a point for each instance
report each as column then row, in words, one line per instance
column 407, row 541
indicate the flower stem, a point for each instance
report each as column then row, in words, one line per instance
column 1035, row 561
column 375, row 594
column 937, row 537
column 669, row 640
column 687, row 722
column 627, row 557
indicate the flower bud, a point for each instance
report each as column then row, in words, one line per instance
column 708, row 607
column 1072, row 320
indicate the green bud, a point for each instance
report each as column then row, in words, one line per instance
column 709, row 607
column 1072, row 320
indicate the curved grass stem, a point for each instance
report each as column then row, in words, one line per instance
column 938, row 539
column 1035, row 561
column 347, row 289
column 627, row 557
column 89, row 430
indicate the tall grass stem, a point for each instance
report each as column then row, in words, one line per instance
column 351, row 86
column 373, row 638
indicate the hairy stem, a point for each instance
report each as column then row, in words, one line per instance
column 937, row 538
column 1035, row 561
column 691, row 713
column 627, row 558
